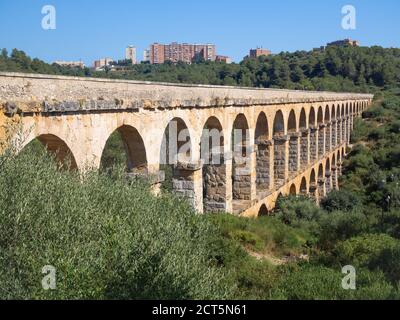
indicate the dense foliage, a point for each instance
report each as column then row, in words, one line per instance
column 107, row 239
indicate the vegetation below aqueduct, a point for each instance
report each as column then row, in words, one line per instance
column 111, row 239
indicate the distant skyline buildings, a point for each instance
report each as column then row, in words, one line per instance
column 175, row 52
column 102, row 62
column 130, row 54
column 183, row 52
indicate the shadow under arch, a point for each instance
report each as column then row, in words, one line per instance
column 57, row 147
column 303, row 187
column 176, row 150
column 263, row 212
column 313, row 185
column 125, row 146
column 293, row 190
column 241, row 171
column 263, row 153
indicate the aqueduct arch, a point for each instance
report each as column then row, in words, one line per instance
column 59, row 149
column 214, row 168
column 321, row 132
column 303, row 187
column 304, row 139
column 313, row 135
column 267, row 142
column 135, row 151
column 264, row 146
column 280, row 152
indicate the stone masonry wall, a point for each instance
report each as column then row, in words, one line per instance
column 279, row 161
column 313, row 144
column 321, row 134
column 183, row 184
column 328, row 138
column 263, row 176
column 214, row 187
column 304, row 149
column 334, row 135
column 293, row 154
column 47, row 93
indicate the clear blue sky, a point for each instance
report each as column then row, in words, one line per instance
column 91, row 29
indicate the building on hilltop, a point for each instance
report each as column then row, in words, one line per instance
column 224, row 59
column 176, row 52
column 255, row 53
column 102, row 63
column 130, row 54
column 72, row 64
column 344, row 43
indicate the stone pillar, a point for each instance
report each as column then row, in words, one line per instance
column 339, row 132
column 305, row 148
column 335, row 183
column 253, row 174
column 313, row 191
column 214, row 185
column 242, row 175
column 349, row 129
column 152, row 175
column 328, row 137
column 294, row 152
column 272, row 165
column 229, row 181
column 321, row 188
column 344, row 131
column 313, row 144
column 187, row 181
column 281, row 161
column 328, row 182
column 321, row 140
column 263, row 165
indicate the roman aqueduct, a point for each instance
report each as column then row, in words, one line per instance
column 292, row 142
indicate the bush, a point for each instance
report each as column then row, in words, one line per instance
column 310, row 282
column 292, row 209
column 106, row 238
column 361, row 250
column 340, row 200
column 389, row 262
column 341, row 225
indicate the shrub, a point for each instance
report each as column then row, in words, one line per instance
column 389, row 262
column 340, row 200
column 361, row 250
column 310, row 282
column 106, row 238
column 341, row 225
column 390, row 223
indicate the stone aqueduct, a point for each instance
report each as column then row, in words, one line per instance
column 296, row 140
